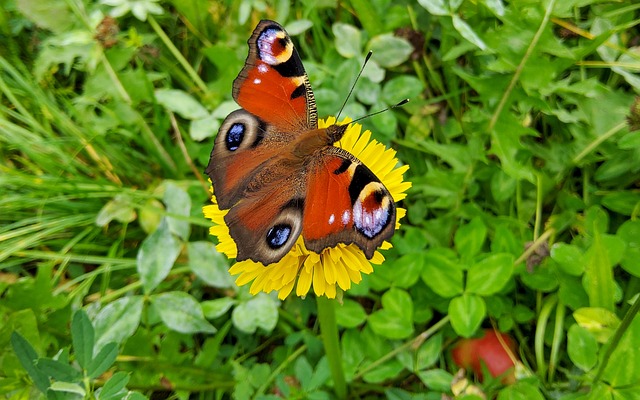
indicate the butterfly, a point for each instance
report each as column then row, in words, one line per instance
column 279, row 175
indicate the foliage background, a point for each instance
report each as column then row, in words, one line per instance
column 522, row 138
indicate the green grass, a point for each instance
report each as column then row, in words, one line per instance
column 524, row 151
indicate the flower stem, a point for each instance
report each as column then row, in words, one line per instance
column 329, row 332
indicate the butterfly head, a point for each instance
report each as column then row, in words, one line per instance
column 335, row 132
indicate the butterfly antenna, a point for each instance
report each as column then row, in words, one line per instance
column 366, row 59
column 400, row 104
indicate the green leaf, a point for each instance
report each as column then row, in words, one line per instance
column 521, row 390
column 53, row 15
column 629, row 233
column 118, row 321
column 103, row 360
column 386, row 371
column 490, row 275
column 350, row 314
column 181, row 312
column 625, row 203
column 569, row 258
column 178, row 203
column 395, row 319
column 70, row 388
column 83, row 336
column 347, row 39
column 114, row 388
column 213, row 309
column 181, row 103
column 496, row 6
column 466, row 313
column 503, row 186
column 27, row 357
column 598, row 278
column 435, row 7
column 156, row 256
column 582, row 347
column 623, row 368
column 465, row 30
column 204, row 128
column 442, row 274
column 390, row 51
column 298, row 26
column 261, row 311
column 57, row 370
column 470, row 238
column 436, row 379
column 120, row 208
column 429, row 352
column 402, row 87
column 599, row 321
column 407, row 270
column 209, row 265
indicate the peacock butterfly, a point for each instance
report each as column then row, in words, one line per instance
column 279, row 175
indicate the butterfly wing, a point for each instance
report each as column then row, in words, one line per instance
column 261, row 186
column 273, row 84
column 345, row 203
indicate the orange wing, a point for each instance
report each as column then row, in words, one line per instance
column 345, row 203
column 273, row 84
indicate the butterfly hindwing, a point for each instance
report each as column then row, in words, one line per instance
column 273, row 84
column 345, row 203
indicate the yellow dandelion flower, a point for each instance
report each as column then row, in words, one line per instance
column 335, row 267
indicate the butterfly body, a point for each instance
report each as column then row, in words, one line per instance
column 279, row 175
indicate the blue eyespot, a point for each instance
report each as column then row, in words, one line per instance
column 278, row 235
column 235, row 135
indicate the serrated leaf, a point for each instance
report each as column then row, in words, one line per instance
column 390, row 51
column 27, row 356
column 83, row 337
column 490, row 275
column 347, row 39
column 181, row 103
column 118, row 321
column 181, row 312
column 157, row 254
column 209, row 265
column 261, row 311
column 466, row 313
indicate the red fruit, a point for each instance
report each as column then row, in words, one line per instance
column 470, row 353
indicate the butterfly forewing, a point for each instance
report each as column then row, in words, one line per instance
column 273, row 83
